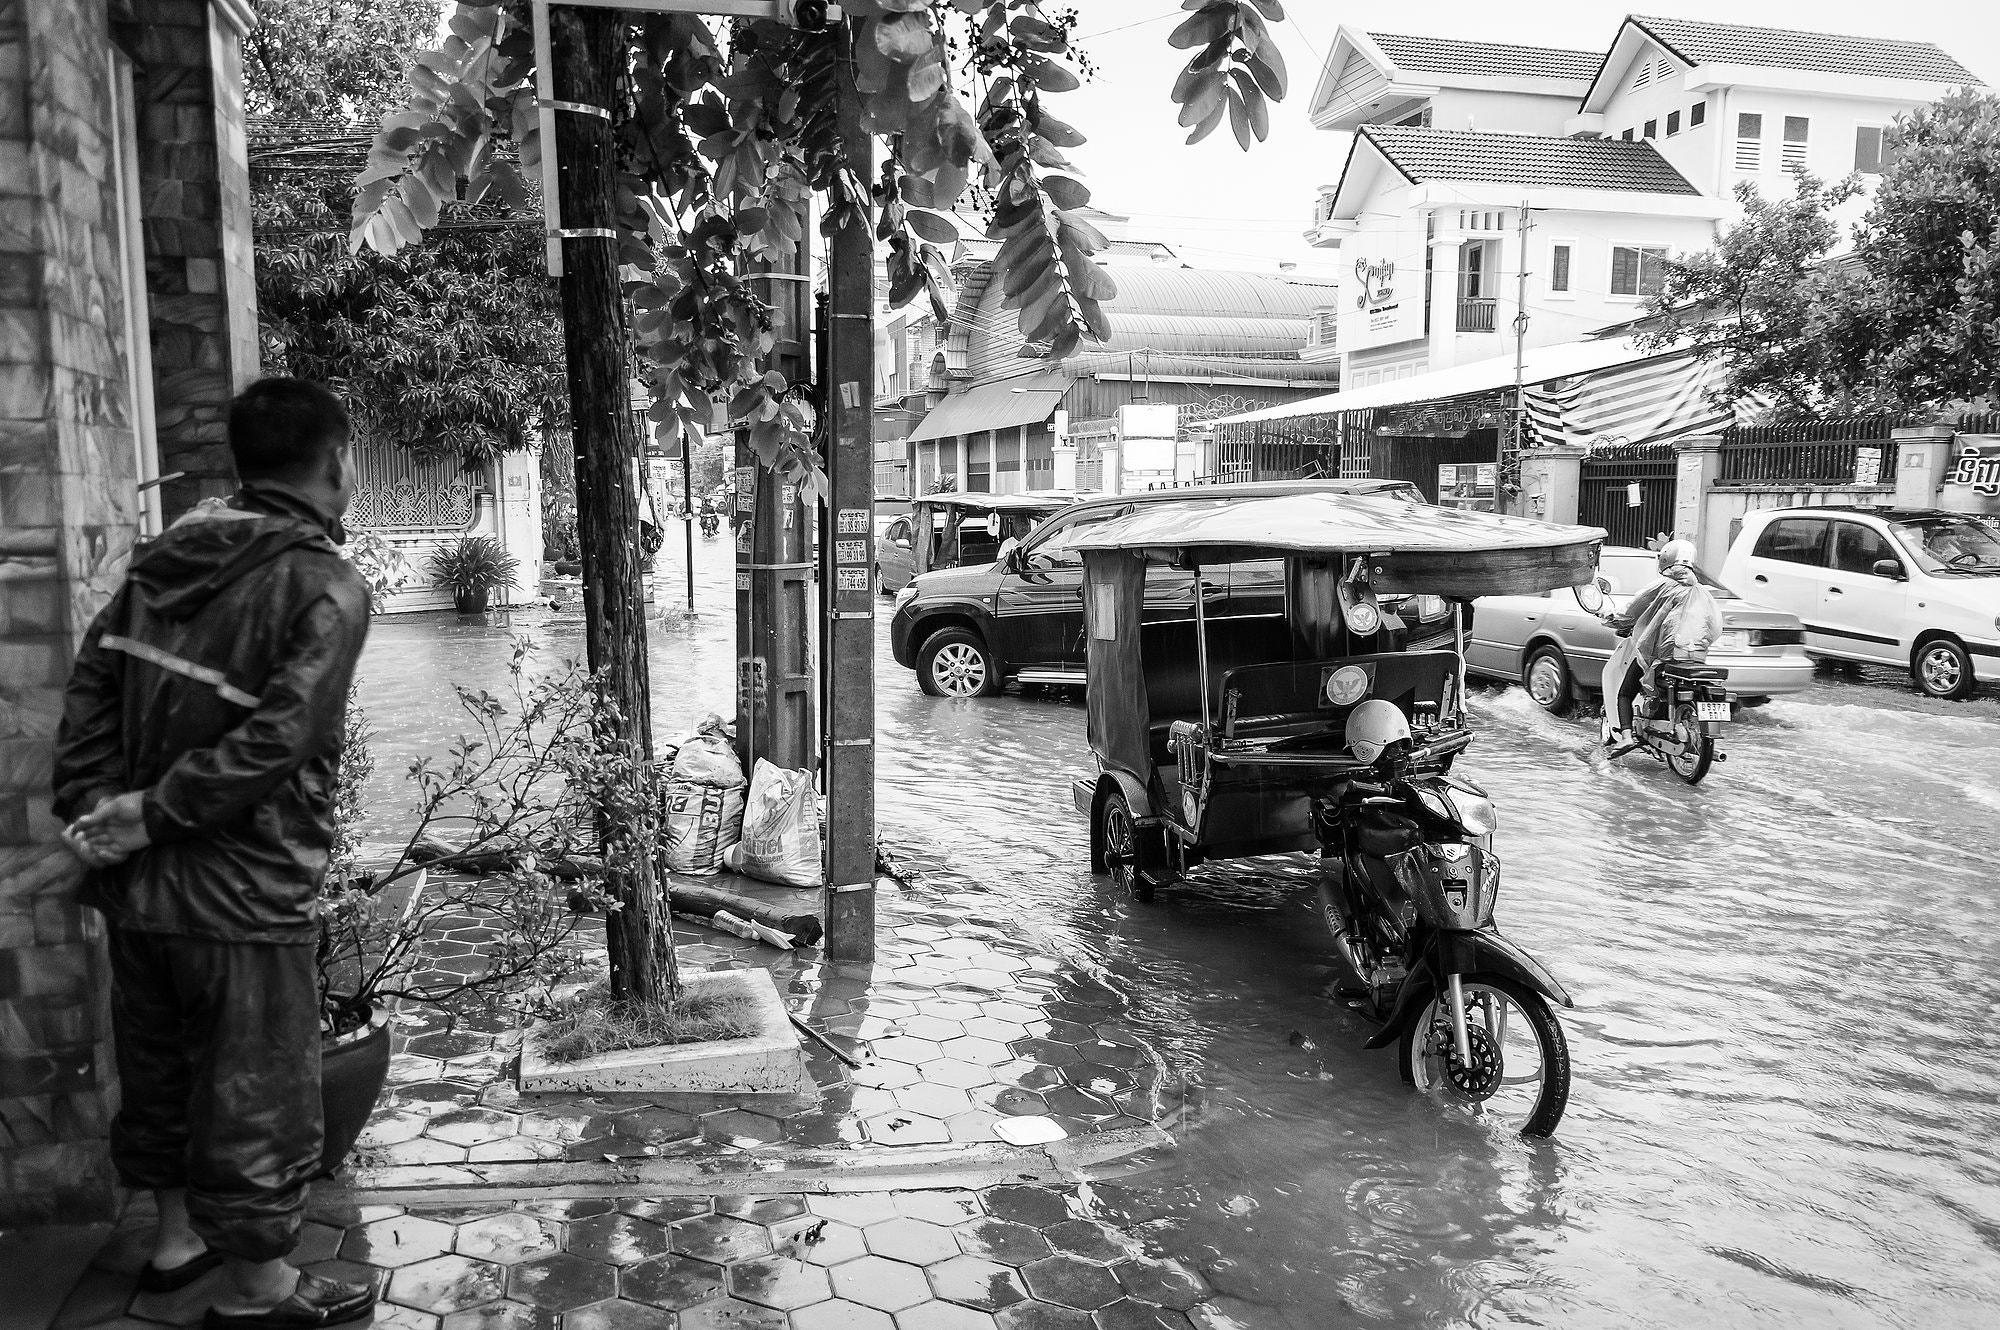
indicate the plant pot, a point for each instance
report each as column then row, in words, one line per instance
column 471, row 600
column 569, row 567
column 353, row 1068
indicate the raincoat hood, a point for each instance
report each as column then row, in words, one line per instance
column 215, row 545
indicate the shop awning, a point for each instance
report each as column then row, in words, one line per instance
column 1026, row 400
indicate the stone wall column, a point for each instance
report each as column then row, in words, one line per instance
column 1697, row 466
column 1551, row 479
column 1923, row 455
column 195, row 207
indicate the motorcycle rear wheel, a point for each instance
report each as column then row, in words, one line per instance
column 1528, row 1089
column 1697, row 752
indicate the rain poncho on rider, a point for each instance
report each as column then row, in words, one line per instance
column 1674, row 619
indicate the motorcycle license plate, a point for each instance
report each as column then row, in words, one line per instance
column 1711, row 711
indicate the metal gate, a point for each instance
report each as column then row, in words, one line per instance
column 1613, row 477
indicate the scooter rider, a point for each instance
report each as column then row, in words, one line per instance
column 1673, row 619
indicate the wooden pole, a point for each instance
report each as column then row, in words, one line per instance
column 586, row 46
column 849, row 382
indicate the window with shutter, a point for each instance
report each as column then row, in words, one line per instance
column 1868, row 149
column 1652, row 129
column 1559, row 268
column 1643, row 75
column 1673, row 123
column 1794, row 158
column 1749, row 142
column 1697, row 114
column 1637, row 270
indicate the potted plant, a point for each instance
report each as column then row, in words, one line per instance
column 472, row 568
column 499, row 837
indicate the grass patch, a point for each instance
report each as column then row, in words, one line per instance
column 592, row 1023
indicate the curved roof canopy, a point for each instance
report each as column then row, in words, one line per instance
column 1036, row 501
column 1407, row 546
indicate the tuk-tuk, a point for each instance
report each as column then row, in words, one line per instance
column 1299, row 731
column 958, row 531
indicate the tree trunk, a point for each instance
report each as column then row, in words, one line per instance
column 586, row 50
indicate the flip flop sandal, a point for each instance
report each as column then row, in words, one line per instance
column 314, row 1303
column 152, row 1279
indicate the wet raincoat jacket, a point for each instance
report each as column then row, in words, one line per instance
column 1674, row 619
column 216, row 681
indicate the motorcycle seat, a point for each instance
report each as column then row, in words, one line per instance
column 1690, row 670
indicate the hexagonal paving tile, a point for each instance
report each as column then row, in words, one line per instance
column 880, row 1283
column 910, row 1240
column 506, row 1238
column 903, row 1048
column 560, row 1282
column 447, row 1284
column 1043, row 1316
column 392, row 1317
column 956, row 1074
column 1072, row 1282
column 1166, row 1282
column 903, row 1128
column 934, row 1028
column 721, row 1239
column 761, row 1209
column 729, row 1314
column 1132, row 1314
column 780, row 1282
column 1018, row 1012
column 616, row 1239
column 1085, row 1238
column 976, row 1282
column 473, row 1126
column 575, row 1207
column 992, row 1027
column 423, row 1150
column 943, row 1316
column 886, row 1075
column 1047, row 1052
column 391, row 1128
column 840, row 1314
column 985, row 1052
column 403, row 1240
column 1036, row 1206
column 854, row 1207
column 664, row 1209
column 1003, row 1240
column 613, row 1314
column 498, row 1316
column 819, row 1241
column 937, row 1101
column 672, row 1282
column 947, row 1206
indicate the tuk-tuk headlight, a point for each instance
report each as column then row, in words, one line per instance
column 1424, row 609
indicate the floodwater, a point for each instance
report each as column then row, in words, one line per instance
column 1786, row 1106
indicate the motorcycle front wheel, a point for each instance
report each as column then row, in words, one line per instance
column 1697, row 750
column 1520, row 1073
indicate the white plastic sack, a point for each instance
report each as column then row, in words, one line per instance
column 703, row 823
column 707, row 757
column 781, row 832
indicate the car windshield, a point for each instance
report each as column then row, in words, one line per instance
column 1960, row 544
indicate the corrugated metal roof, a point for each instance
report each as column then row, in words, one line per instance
column 1529, row 160
column 1700, row 43
column 1447, row 55
column 1220, row 369
column 1026, row 400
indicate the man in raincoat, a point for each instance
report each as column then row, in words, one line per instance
column 197, row 754
column 1673, row 619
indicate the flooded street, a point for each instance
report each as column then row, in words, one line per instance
column 1786, row 1108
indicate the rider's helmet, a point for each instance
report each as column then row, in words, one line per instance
column 1676, row 552
column 1373, row 726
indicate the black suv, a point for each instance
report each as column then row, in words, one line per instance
column 966, row 631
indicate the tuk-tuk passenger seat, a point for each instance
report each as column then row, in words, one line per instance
column 1268, row 702
column 1169, row 657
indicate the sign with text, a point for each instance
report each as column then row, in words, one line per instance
column 1381, row 289
column 1976, row 465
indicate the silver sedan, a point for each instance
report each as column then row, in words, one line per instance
column 1556, row 649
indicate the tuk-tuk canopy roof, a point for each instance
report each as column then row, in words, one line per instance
column 1411, row 546
column 1037, row 501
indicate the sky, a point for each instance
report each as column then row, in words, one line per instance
column 1224, row 208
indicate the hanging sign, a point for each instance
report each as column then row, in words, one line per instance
column 1382, row 289
column 1977, row 465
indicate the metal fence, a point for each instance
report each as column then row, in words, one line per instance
column 397, row 491
column 1854, row 451
column 1612, row 478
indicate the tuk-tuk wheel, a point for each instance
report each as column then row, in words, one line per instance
column 1117, row 841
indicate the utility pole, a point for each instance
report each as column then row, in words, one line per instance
column 1510, row 471
column 585, row 47
column 774, row 684
column 848, row 380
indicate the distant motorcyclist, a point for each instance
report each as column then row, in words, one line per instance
column 1674, row 619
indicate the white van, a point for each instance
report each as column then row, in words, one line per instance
column 1913, row 587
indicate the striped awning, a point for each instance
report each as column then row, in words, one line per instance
column 1643, row 401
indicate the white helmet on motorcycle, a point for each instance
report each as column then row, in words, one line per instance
column 1675, row 553
column 1373, row 726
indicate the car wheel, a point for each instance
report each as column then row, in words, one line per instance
column 1941, row 668
column 1547, row 679
column 955, row 663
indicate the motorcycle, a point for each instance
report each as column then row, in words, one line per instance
column 1678, row 722
column 1408, row 886
column 710, row 524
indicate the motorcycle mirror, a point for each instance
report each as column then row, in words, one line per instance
column 1591, row 596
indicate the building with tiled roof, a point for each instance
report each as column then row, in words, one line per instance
column 1533, row 161
column 1702, row 43
column 1380, row 78
column 1451, row 57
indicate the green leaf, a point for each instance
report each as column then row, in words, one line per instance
column 1065, row 192
column 933, row 228
column 1052, row 77
column 1204, row 25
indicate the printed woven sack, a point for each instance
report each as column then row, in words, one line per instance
column 702, row 823
column 781, row 829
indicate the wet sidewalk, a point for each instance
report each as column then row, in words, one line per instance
column 1036, row 1256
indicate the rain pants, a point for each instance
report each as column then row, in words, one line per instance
column 1673, row 619
column 216, row 682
